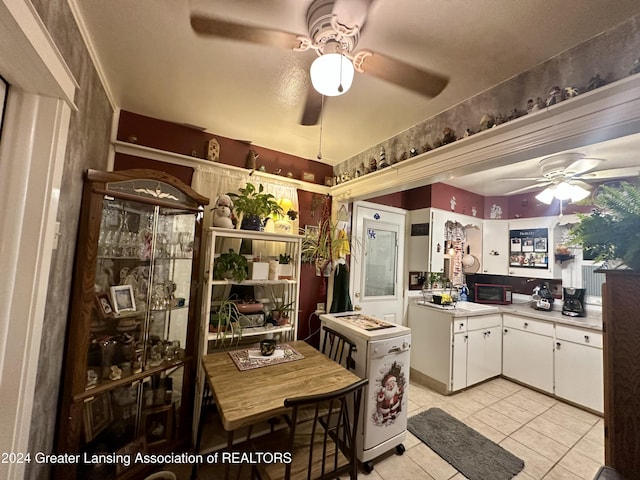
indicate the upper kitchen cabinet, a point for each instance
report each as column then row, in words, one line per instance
column 495, row 247
column 531, row 248
column 131, row 345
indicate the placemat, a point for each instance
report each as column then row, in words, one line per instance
column 250, row 358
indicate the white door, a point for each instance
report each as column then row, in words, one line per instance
column 459, row 361
column 484, row 356
column 377, row 261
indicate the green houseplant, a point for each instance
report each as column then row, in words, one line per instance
column 612, row 230
column 230, row 265
column 254, row 205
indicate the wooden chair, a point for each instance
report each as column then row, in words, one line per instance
column 338, row 348
column 321, row 449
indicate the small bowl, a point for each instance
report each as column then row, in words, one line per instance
column 267, row 347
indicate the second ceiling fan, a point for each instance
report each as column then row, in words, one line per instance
column 334, row 27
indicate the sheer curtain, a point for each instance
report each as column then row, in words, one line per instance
column 214, row 181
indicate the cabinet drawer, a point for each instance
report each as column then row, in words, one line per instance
column 459, row 324
column 579, row 335
column 483, row 321
column 528, row 324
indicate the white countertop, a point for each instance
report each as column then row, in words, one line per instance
column 592, row 321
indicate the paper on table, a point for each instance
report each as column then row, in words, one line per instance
column 256, row 354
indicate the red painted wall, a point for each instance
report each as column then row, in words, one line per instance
column 185, row 140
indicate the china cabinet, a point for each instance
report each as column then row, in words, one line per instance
column 131, row 346
column 265, row 302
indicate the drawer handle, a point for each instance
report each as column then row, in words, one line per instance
column 461, row 326
column 505, row 330
column 586, row 338
column 558, row 345
column 526, row 324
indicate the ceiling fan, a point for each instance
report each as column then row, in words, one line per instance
column 334, row 26
column 565, row 176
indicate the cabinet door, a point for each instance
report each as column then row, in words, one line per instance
column 528, row 358
column 579, row 375
column 436, row 255
column 484, row 355
column 459, row 365
column 495, row 247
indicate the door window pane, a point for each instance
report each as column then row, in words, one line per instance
column 380, row 263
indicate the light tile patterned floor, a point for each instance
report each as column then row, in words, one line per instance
column 556, row 441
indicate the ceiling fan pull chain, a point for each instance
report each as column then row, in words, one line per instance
column 319, row 157
column 340, row 89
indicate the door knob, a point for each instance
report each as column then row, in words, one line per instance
column 357, row 308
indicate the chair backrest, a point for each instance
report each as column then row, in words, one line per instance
column 338, row 348
column 325, row 447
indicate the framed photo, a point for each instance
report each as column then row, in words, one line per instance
column 308, row 177
column 97, row 415
column 157, row 424
column 122, row 298
column 104, row 305
column 328, row 181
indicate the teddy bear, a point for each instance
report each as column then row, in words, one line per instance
column 222, row 212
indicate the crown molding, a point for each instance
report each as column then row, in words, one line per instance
column 609, row 112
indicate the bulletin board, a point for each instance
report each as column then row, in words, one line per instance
column 529, row 248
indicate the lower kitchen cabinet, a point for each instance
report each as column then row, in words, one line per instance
column 527, row 351
column 455, row 351
column 578, row 367
column 484, row 349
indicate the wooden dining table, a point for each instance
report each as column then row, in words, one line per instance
column 247, row 397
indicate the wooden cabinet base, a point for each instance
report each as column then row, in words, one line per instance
column 621, row 325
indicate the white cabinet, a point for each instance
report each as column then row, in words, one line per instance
column 454, row 352
column 578, row 366
column 495, row 247
column 484, row 348
column 250, row 321
column 527, row 351
column 436, row 255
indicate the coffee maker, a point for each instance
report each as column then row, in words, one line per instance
column 573, row 305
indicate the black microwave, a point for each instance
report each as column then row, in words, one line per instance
column 491, row 293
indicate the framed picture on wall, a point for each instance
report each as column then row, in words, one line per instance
column 308, row 177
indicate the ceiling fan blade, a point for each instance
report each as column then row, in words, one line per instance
column 312, row 107
column 611, row 173
column 582, row 165
column 351, row 13
column 402, row 74
column 215, row 27
column 520, row 179
column 527, row 188
column 581, row 184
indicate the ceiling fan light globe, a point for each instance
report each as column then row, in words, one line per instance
column 332, row 74
column 578, row 193
column 545, row 196
column 563, row 191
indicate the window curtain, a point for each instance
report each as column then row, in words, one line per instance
column 215, row 181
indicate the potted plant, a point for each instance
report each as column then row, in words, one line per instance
column 225, row 320
column 254, row 206
column 323, row 245
column 230, row 265
column 279, row 312
column 285, row 267
column 612, row 230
